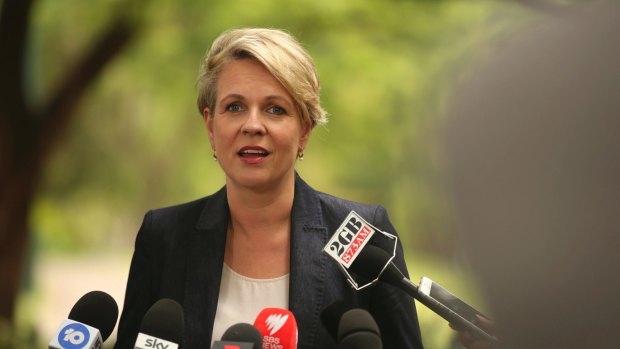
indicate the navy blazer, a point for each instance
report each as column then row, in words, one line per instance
column 179, row 254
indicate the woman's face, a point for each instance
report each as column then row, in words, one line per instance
column 255, row 128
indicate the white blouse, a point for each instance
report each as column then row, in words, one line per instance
column 242, row 298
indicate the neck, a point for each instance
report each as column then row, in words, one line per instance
column 256, row 211
column 258, row 238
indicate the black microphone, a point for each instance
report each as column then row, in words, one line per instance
column 358, row 330
column 90, row 323
column 240, row 336
column 162, row 326
column 331, row 315
column 371, row 262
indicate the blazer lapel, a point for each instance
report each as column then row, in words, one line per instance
column 204, row 270
column 308, row 263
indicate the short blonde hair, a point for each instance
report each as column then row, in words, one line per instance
column 279, row 52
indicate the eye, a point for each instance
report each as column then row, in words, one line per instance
column 234, row 107
column 276, row 110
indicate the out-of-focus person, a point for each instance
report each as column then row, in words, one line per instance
column 533, row 139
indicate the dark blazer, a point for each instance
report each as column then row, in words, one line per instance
column 179, row 254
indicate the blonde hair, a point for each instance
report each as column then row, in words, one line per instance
column 279, row 52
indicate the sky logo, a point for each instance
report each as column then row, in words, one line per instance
column 74, row 336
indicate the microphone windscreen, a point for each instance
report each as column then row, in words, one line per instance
column 244, row 332
column 331, row 315
column 358, row 330
column 164, row 320
column 96, row 309
column 371, row 262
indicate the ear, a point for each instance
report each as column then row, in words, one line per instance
column 305, row 134
column 208, row 120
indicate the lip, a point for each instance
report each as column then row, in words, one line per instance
column 252, row 154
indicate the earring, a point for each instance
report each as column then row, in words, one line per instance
column 300, row 154
column 214, row 156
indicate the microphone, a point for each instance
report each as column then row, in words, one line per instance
column 375, row 262
column 90, row 323
column 350, row 239
column 240, row 336
column 278, row 328
column 162, row 326
column 358, row 330
column 331, row 315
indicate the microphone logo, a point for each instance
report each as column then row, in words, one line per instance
column 275, row 322
column 73, row 336
column 349, row 240
column 278, row 328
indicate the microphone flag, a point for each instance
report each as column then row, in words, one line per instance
column 278, row 328
column 349, row 241
column 76, row 335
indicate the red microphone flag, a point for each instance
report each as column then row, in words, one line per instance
column 278, row 328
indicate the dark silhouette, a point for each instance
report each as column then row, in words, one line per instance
column 534, row 142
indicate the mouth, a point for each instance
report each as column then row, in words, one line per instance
column 253, row 153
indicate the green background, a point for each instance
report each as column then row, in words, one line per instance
column 387, row 70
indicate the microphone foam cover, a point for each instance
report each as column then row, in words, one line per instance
column 164, row 320
column 244, row 332
column 96, row 309
column 358, row 330
column 371, row 261
column 331, row 315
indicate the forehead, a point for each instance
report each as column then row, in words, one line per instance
column 249, row 77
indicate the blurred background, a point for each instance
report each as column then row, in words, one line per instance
column 98, row 124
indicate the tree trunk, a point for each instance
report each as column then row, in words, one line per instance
column 28, row 135
column 14, row 240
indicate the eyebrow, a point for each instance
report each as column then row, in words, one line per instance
column 280, row 98
column 268, row 98
column 232, row 95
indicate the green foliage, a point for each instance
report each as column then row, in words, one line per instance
column 386, row 69
column 22, row 333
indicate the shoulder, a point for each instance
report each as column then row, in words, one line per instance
column 179, row 210
column 185, row 213
column 336, row 204
column 334, row 209
column 171, row 226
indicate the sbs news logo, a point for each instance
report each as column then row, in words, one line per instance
column 275, row 322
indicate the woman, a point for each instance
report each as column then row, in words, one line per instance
column 258, row 241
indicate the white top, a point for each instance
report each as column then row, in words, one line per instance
column 242, row 298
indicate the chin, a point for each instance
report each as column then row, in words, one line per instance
column 258, row 181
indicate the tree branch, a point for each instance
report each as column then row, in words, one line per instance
column 56, row 115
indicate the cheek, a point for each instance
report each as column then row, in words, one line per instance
column 221, row 134
column 291, row 145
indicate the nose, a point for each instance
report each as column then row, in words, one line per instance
column 253, row 124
